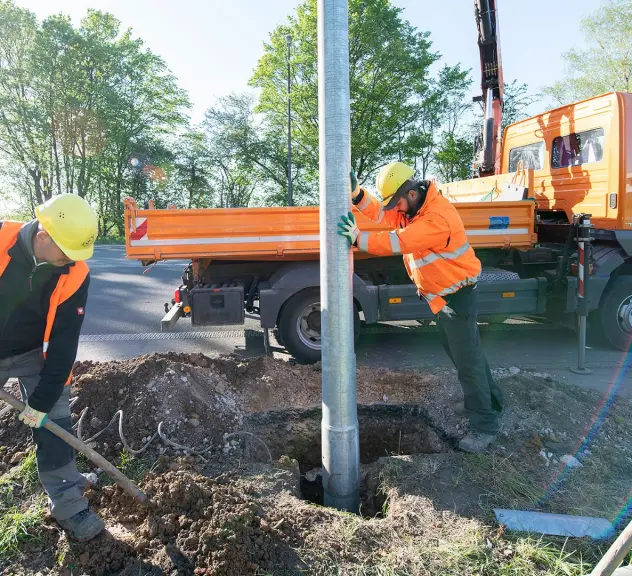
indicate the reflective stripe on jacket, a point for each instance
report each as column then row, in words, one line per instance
column 66, row 286
column 437, row 255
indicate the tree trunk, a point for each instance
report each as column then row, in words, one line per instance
column 36, row 175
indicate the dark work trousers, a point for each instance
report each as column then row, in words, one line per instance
column 461, row 339
column 55, row 459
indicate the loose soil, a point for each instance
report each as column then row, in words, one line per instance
column 241, row 439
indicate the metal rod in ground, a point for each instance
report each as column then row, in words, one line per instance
column 290, row 199
column 122, row 480
column 616, row 554
column 583, row 276
column 340, row 437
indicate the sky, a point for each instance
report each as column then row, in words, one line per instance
column 212, row 46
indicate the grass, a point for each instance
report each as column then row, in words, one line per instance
column 134, row 468
column 18, row 524
column 476, row 553
column 505, row 484
column 19, row 482
column 422, row 536
column 22, row 506
column 110, row 240
column 83, row 463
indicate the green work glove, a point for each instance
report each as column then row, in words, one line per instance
column 355, row 189
column 33, row 418
column 348, row 228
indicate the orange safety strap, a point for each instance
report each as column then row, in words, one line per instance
column 67, row 285
column 8, row 237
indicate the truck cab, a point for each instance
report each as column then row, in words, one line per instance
column 581, row 155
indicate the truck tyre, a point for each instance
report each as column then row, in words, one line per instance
column 299, row 325
column 615, row 313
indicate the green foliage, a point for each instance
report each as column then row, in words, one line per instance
column 76, row 104
column 389, row 62
column 88, row 109
column 235, row 149
column 606, row 63
column 135, row 468
column 22, row 505
column 18, row 525
column 454, row 158
column 516, row 100
column 22, row 478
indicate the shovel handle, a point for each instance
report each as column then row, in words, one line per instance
column 122, row 480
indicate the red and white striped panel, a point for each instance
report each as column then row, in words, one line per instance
column 141, row 230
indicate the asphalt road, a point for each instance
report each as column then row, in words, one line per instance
column 126, row 304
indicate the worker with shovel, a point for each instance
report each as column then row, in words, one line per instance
column 427, row 230
column 43, row 292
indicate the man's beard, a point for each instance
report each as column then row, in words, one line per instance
column 412, row 210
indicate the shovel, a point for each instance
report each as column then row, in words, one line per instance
column 122, row 480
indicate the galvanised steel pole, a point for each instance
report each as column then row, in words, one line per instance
column 340, row 438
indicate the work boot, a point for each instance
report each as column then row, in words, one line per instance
column 83, row 526
column 476, row 441
column 459, row 410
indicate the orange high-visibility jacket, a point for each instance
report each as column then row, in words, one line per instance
column 437, row 255
column 67, row 284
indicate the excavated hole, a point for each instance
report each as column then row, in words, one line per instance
column 385, row 430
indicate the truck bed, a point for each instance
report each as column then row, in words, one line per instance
column 292, row 233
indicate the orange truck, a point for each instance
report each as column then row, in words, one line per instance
column 521, row 221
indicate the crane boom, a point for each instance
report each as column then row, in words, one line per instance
column 488, row 155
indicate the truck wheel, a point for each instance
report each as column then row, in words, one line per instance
column 300, row 326
column 615, row 313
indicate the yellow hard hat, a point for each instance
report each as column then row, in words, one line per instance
column 72, row 224
column 390, row 179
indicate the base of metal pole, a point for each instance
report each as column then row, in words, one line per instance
column 341, row 446
column 581, row 358
column 582, row 371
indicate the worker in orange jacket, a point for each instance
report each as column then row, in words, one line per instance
column 427, row 230
column 43, row 293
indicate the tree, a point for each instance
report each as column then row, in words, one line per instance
column 241, row 141
column 606, row 64
column 191, row 178
column 232, row 135
column 440, row 111
column 22, row 136
column 516, row 100
column 389, row 74
column 144, row 106
column 76, row 107
column 453, row 159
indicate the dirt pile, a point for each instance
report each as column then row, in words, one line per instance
column 193, row 525
column 197, row 400
column 194, row 404
column 15, row 438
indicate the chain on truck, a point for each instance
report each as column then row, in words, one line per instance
column 525, row 212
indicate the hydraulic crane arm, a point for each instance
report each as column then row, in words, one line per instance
column 489, row 148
